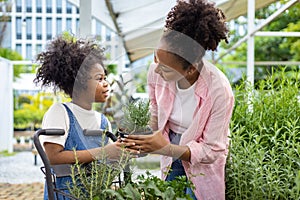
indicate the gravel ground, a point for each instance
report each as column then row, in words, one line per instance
column 20, row 168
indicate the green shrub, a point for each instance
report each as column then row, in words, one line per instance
column 29, row 110
column 151, row 188
column 264, row 158
column 22, row 118
column 29, row 116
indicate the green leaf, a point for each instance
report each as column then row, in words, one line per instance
column 131, row 193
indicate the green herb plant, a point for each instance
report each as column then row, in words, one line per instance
column 136, row 117
column 264, row 155
column 90, row 181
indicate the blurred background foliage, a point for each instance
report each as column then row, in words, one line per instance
column 266, row 48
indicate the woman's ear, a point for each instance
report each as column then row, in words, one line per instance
column 155, row 59
column 192, row 69
column 196, row 67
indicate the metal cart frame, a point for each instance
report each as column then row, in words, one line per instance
column 51, row 171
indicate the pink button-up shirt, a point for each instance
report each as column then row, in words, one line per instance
column 207, row 135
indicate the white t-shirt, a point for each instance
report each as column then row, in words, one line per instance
column 57, row 117
column 183, row 109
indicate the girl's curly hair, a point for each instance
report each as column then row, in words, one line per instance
column 66, row 62
column 199, row 20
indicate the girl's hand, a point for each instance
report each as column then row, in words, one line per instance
column 155, row 143
column 112, row 151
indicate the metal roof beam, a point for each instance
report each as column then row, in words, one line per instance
column 119, row 32
column 277, row 34
column 262, row 63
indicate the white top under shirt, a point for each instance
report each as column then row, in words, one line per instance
column 57, row 117
column 183, row 109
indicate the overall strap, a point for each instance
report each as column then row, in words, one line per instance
column 104, row 122
column 70, row 113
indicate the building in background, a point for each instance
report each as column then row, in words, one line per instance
column 32, row 23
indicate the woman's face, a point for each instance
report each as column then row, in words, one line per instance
column 168, row 66
column 97, row 85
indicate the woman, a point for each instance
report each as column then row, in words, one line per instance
column 191, row 101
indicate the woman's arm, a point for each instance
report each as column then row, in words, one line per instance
column 152, row 98
column 156, row 144
column 153, row 123
column 211, row 141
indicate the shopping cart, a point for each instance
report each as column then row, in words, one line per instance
column 53, row 171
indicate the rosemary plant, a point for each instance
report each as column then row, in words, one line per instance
column 90, row 181
column 264, row 156
column 136, row 117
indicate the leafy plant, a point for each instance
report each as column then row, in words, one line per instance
column 90, row 181
column 151, row 188
column 13, row 55
column 29, row 110
column 112, row 68
column 21, row 119
column 136, row 117
column 264, row 158
column 267, row 48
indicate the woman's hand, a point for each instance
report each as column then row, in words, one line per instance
column 155, row 143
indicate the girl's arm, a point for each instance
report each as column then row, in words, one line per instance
column 57, row 155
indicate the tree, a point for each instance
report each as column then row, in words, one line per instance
column 274, row 48
column 269, row 48
column 13, row 55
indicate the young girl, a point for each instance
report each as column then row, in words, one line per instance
column 191, row 101
column 76, row 68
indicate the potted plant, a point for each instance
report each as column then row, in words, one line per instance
column 136, row 118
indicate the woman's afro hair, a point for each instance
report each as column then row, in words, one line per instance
column 200, row 20
column 67, row 59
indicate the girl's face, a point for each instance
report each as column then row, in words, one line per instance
column 97, row 85
column 168, row 66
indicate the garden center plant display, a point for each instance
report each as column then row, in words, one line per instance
column 264, row 155
column 96, row 181
column 144, row 187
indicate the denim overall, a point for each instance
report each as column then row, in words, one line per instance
column 176, row 167
column 77, row 140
